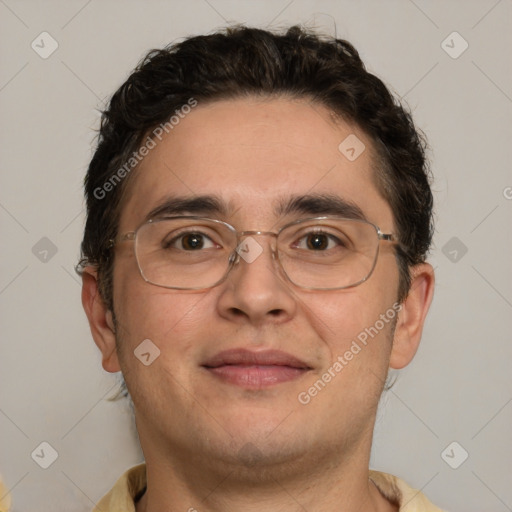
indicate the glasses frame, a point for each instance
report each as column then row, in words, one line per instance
column 234, row 257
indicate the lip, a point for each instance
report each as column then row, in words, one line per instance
column 255, row 370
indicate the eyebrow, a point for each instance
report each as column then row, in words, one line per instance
column 213, row 205
column 319, row 204
column 195, row 205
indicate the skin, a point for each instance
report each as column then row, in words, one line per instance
column 216, row 446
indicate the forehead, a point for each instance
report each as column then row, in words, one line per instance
column 255, row 155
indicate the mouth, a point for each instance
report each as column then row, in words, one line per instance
column 255, row 370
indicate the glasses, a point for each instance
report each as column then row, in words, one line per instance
column 195, row 253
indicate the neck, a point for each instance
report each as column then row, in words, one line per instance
column 330, row 482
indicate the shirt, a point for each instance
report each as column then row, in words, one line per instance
column 5, row 498
column 132, row 484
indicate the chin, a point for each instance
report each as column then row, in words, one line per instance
column 260, row 458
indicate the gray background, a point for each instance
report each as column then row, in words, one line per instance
column 53, row 388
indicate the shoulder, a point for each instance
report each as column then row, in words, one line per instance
column 121, row 497
column 399, row 492
column 5, row 498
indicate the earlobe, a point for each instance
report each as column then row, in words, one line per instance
column 100, row 320
column 412, row 316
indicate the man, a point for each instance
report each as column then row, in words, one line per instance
column 259, row 215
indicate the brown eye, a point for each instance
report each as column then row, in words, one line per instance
column 317, row 242
column 191, row 241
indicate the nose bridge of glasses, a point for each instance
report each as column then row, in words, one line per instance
column 242, row 235
column 250, row 233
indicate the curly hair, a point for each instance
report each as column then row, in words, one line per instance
column 241, row 61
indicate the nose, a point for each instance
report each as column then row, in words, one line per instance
column 256, row 290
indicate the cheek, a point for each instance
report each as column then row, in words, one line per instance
column 357, row 343
column 166, row 317
column 355, row 324
column 159, row 371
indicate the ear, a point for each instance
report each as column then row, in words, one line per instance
column 412, row 316
column 100, row 320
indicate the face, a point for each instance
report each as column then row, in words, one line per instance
column 235, row 376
